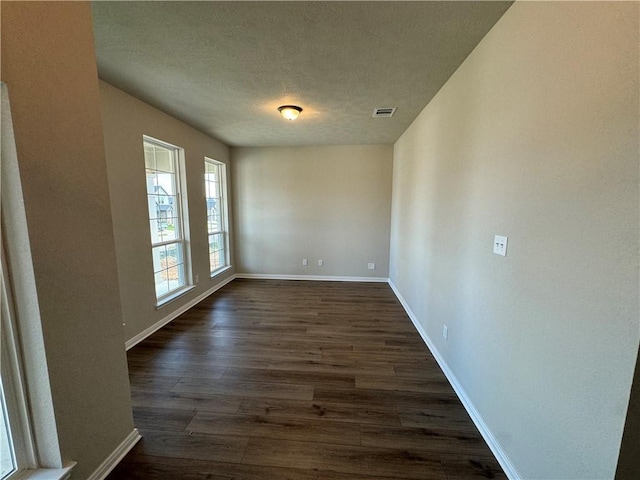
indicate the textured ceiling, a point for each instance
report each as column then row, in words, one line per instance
column 225, row 67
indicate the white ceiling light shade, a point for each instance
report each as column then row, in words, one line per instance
column 289, row 112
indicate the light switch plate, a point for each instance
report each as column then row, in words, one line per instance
column 500, row 245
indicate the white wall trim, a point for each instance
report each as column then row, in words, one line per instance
column 316, row 278
column 63, row 473
column 486, row 433
column 161, row 323
column 118, row 454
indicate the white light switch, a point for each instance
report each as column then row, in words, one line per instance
column 305, row 262
column 500, row 245
column 320, row 262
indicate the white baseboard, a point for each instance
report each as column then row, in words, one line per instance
column 158, row 325
column 118, row 454
column 486, row 433
column 316, row 278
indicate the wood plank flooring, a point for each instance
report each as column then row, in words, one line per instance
column 293, row 380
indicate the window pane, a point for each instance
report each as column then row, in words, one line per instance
column 182, row 278
column 214, row 261
column 159, row 254
column 169, row 267
column 214, row 224
column 213, row 190
column 175, row 276
column 165, row 184
column 149, row 156
column 215, row 202
column 152, row 205
column 165, row 216
column 155, row 232
column 162, row 284
column 211, row 171
column 173, row 225
column 174, row 255
column 162, row 191
column 216, row 251
column 164, row 159
column 217, row 241
column 167, row 230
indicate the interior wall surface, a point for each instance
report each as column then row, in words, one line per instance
column 126, row 120
column 629, row 460
column 535, row 137
column 49, row 67
column 329, row 203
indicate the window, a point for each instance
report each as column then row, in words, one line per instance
column 167, row 214
column 215, row 195
column 22, row 423
column 13, row 457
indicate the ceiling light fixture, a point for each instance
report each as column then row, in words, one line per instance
column 290, row 112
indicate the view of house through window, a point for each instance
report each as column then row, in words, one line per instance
column 214, row 181
column 166, row 219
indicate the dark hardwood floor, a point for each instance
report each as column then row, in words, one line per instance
column 286, row 380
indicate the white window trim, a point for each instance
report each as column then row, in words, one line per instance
column 225, row 218
column 183, row 215
column 13, row 383
column 170, row 297
column 16, row 400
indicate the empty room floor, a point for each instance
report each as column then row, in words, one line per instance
column 295, row 380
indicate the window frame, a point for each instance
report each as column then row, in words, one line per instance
column 13, row 385
column 181, row 240
column 224, row 215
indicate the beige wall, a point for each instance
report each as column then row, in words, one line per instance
column 330, row 203
column 49, row 66
column 125, row 120
column 534, row 137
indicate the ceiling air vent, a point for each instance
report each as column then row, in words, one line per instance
column 384, row 112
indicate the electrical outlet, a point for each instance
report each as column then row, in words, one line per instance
column 197, row 279
column 320, row 262
column 500, row 245
column 305, row 262
column 445, row 332
column 371, row 266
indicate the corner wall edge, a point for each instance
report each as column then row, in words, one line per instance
column 483, row 428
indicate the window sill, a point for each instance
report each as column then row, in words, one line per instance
column 46, row 473
column 173, row 296
column 220, row 271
